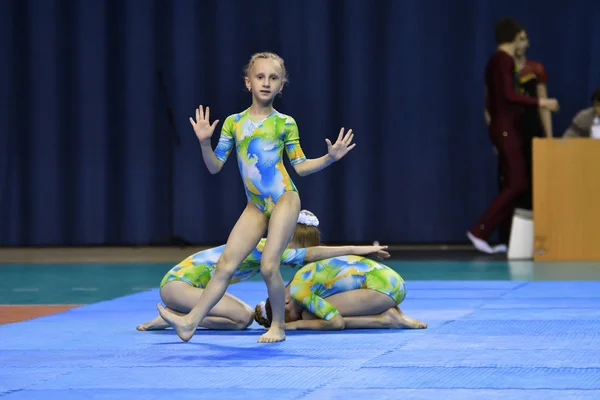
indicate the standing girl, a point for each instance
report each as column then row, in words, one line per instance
column 259, row 133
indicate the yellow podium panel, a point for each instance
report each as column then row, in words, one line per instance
column 566, row 199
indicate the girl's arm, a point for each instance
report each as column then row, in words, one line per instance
column 335, row 153
column 322, row 252
column 204, row 130
column 327, row 316
column 310, row 166
column 334, row 324
column 304, row 166
column 214, row 160
column 211, row 161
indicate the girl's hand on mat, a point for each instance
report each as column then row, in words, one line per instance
column 202, row 126
column 290, row 327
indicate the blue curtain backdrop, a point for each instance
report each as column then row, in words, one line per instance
column 96, row 146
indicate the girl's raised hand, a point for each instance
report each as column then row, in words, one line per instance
column 202, row 126
column 342, row 145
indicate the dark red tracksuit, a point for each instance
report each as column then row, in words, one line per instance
column 504, row 104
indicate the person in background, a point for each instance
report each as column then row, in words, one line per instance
column 504, row 105
column 587, row 121
column 535, row 122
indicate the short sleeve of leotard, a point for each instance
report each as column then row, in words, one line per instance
column 292, row 142
column 302, row 292
column 226, row 141
column 291, row 257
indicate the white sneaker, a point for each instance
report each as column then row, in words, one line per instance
column 501, row 248
column 480, row 244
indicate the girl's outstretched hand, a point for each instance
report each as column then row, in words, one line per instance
column 202, row 126
column 342, row 145
column 377, row 252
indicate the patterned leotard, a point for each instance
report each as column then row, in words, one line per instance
column 197, row 269
column 318, row 280
column 259, row 147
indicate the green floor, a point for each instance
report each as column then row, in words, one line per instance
column 88, row 283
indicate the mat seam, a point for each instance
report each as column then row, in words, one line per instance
column 27, row 387
column 522, row 285
column 484, row 303
column 354, row 369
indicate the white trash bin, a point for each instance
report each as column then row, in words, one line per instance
column 520, row 245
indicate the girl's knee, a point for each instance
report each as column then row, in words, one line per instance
column 224, row 272
column 225, row 264
column 245, row 319
column 269, row 269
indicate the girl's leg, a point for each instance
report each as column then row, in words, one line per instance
column 179, row 297
column 281, row 228
column 392, row 318
column 244, row 237
column 369, row 309
column 158, row 323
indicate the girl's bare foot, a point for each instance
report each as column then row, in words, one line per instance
column 184, row 328
column 273, row 335
column 397, row 320
column 155, row 325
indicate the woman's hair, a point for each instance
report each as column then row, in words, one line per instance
column 263, row 313
column 268, row 56
column 307, row 232
column 506, row 30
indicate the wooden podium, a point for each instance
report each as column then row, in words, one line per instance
column 566, row 199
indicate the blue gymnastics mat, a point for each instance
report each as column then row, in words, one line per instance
column 486, row 340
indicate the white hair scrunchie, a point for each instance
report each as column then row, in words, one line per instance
column 308, row 219
column 263, row 310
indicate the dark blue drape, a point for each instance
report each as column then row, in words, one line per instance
column 97, row 148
